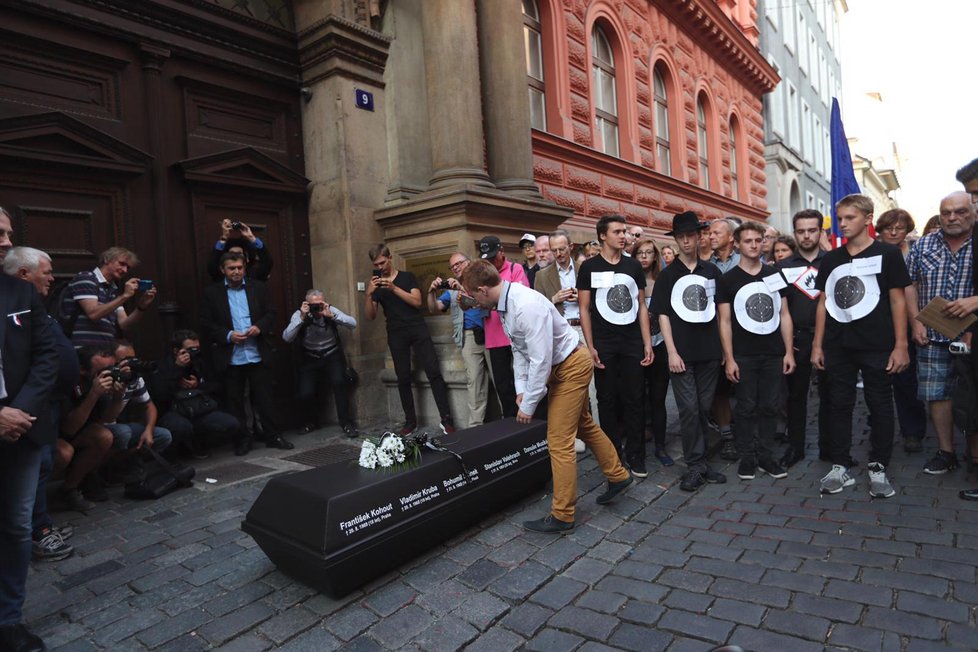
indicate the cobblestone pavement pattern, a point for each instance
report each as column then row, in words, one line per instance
column 765, row 564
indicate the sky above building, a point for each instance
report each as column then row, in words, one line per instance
column 910, row 98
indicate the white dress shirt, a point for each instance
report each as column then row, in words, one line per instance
column 541, row 338
column 568, row 279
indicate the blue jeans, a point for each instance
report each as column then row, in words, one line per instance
column 41, row 519
column 20, row 464
column 125, row 436
column 217, row 422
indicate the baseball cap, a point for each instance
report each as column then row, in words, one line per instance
column 527, row 237
column 489, row 246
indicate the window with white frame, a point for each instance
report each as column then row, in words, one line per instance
column 533, row 49
column 772, row 11
column 822, row 207
column 802, row 43
column 818, row 145
column 809, row 200
column 702, row 143
column 788, row 33
column 660, row 95
column 605, row 92
column 827, row 147
column 794, row 126
column 813, row 58
column 806, row 132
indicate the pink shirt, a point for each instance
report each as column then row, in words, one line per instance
column 495, row 336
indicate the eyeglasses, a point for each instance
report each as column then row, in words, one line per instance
column 645, row 254
column 458, row 265
column 594, row 243
column 894, row 228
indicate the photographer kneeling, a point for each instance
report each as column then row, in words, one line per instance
column 189, row 398
column 131, row 436
column 314, row 325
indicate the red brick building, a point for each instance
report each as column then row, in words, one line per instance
column 647, row 108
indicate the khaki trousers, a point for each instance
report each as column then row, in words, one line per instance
column 592, row 392
column 568, row 418
column 476, row 379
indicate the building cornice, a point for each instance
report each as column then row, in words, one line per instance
column 567, row 151
column 717, row 34
column 335, row 45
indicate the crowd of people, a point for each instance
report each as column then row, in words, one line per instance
column 735, row 316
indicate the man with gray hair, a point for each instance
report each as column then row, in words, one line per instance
column 93, row 303
column 31, row 265
column 314, row 327
column 725, row 255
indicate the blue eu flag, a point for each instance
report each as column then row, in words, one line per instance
column 843, row 178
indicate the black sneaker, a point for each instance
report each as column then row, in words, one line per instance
column 772, row 468
column 728, row 450
column 941, row 463
column 614, row 488
column 713, row 477
column 692, row 480
column 407, row 428
column 638, row 469
column 747, row 468
column 549, row 525
column 242, row 446
column 66, row 531
column 350, row 431
column 50, row 546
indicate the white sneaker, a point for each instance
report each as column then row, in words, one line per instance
column 579, row 446
column 836, row 479
column 879, row 485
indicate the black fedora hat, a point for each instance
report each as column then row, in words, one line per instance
column 686, row 222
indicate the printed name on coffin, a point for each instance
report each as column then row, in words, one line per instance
column 504, row 462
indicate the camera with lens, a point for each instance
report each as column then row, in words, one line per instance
column 118, row 374
column 236, row 226
column 316, row 308
column 444, row 285
column 131, row 368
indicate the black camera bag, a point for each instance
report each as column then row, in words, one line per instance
column 161, row 478
column 193, row 403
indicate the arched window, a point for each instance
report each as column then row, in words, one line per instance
column 533, row 48
column 663, row 155
column 734, row 160
column 702, row 143
column 605, row 95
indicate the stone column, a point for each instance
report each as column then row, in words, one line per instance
column 505, row 96
column 454, row 109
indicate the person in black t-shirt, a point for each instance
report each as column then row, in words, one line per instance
column 683, row 297
column 611, row 294
column 400, row 296
column 861, row 325
column 756, row 333
column 799, row 271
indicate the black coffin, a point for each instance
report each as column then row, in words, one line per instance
column 339, row 526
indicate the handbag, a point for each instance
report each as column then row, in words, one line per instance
column 193, row 403
column 160, row 479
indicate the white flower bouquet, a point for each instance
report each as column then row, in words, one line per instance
column 391, row 452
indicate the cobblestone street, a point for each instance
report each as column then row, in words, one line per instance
column 765, row 564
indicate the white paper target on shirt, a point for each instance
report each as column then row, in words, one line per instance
column 617, row 303
column 692, row 299
column 757, row 309
column 848, row 296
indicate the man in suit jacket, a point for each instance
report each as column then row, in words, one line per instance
column 28, row 373
column 237, row 319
